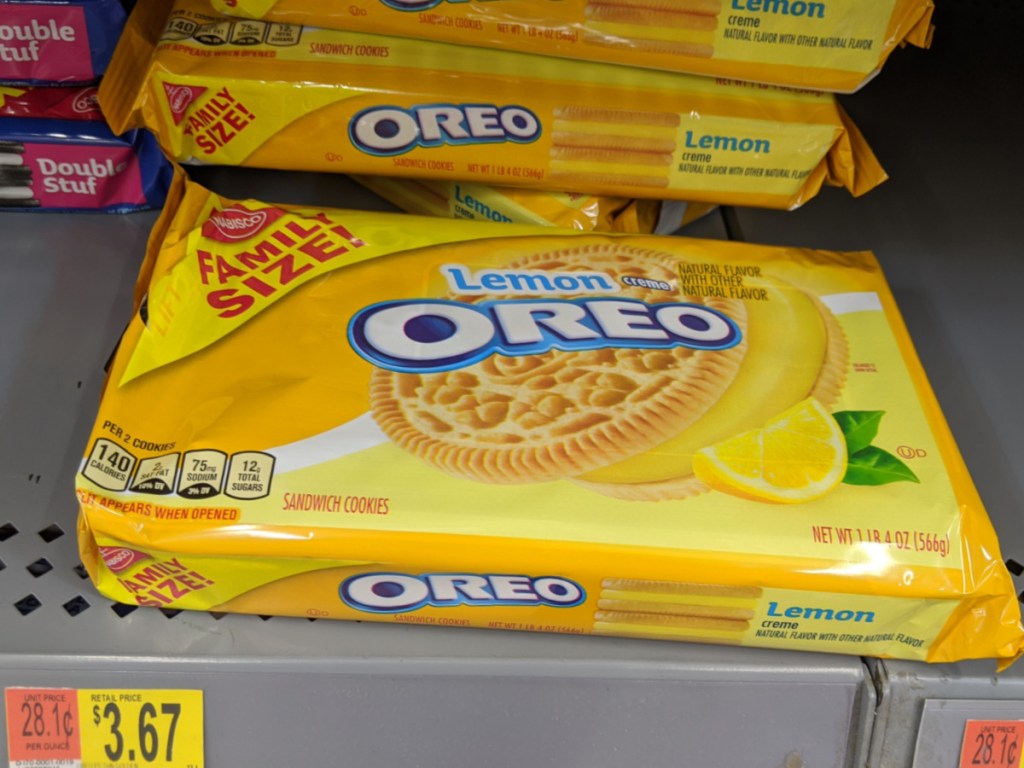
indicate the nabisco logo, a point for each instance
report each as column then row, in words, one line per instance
column 238, row 223
column 86, row 102
column 180, row 96
column 119, row 559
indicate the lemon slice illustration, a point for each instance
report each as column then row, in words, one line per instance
column 797, row 456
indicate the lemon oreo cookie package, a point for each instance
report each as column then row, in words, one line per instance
column 483, row 202
column 374, row 416
column 833, row 45
column 225, row 91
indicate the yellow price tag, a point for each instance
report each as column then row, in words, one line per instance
column 159, row 728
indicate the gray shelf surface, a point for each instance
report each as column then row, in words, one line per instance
column 295, row 692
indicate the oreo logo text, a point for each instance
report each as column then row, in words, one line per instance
column 431, row 335
column 403, row 592
column 86, row 102
column 389, row 130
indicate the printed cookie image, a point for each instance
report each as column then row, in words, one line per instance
column 676, row 27
column 11, row 152
column 624, row 411
column 709, row 613
column 562, row 413
column 796, row 350
column 15, row 177
column 610, row 147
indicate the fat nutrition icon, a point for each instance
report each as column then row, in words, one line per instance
column 156, row 475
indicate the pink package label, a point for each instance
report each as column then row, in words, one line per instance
column 44, row 42
column 77, row 176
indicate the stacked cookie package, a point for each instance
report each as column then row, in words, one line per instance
column 285, row 96
column 833, row 45
column 384, row 417
column 547, row 419
column 56, row 151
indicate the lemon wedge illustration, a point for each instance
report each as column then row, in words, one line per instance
column 798, row 456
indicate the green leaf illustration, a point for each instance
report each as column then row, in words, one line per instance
column 859, row 428
column 873, row 466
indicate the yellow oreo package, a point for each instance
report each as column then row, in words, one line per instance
column 384, row 417
column 223, row 91
column 572, row 210
column 833, row 45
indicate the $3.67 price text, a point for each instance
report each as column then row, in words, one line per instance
column 149, row 732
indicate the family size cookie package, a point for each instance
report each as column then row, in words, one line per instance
column 504, row 425
column 831, row 45
column 215, row 91
column 384, row 417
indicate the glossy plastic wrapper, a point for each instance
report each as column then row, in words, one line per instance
column 382, row 417
column 220, row 91
column 832, row 45
column 482, row 202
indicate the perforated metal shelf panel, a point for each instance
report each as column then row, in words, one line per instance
column 295, row 692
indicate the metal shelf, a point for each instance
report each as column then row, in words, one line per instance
column 291, row 691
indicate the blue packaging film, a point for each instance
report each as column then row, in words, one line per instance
column 63, row 165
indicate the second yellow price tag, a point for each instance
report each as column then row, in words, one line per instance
column 160, row 728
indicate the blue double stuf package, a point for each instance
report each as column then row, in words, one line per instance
column 58, row 42
column 64, row 165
